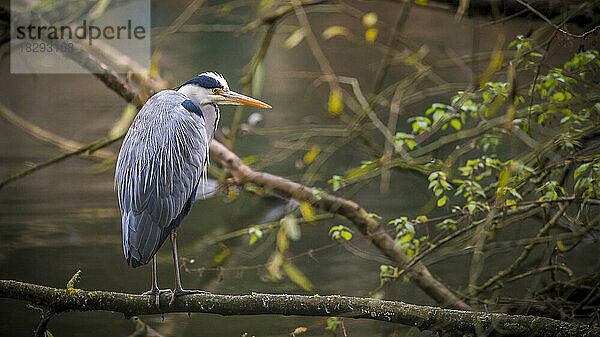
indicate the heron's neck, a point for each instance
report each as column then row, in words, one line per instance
column 196, row 94
column 210, row 110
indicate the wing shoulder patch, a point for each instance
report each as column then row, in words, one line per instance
column 192, row 107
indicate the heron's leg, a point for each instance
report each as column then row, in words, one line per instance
column 178, row 288
column 154, row 290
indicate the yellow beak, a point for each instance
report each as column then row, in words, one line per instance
column 232, row 97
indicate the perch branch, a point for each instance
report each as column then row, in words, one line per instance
column 423, row 317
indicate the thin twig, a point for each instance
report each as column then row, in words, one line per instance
column 42, row 326
column 387, row 58
column 97, row 144
column 49, row 137
column 543, row 17
column 524, row 254
column 388, row 149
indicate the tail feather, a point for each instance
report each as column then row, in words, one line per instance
column 139, row 231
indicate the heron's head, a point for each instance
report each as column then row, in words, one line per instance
column 211, row 87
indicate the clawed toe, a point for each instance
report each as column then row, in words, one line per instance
column 182, row 292
column 156, row 293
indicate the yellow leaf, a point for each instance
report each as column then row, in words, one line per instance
column 283, row 243
column 510, row 111
column 495, row 62
column 226, row 9
column 299, row 330
column 495, row 105
column 232, row 193
column 502, row 182
column 441, row 201
column 310, row 156
column 307, row 211
column 99, row 9
column 563, row 247
column 336, row 103
column 265, row 4
column 289, row 225
column 294, row 39
column 222, row 256
column 463, row 5
column 122, row 125
column 273, row 266
column 417, row 57
column 335, row 31
column 369, row 19
column 258, row 80
column 154, row 70
column 346, row 235
column 371, row 34
column 421, row 2
column 361, row 170
column 296, row 276
column 250, row 159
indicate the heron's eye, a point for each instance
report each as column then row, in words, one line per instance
column 216, row 91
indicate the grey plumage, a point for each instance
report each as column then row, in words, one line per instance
column 159, row 168
column 162, row 164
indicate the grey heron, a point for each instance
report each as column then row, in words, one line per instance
column 163, row 162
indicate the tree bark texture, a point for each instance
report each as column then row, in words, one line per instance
column 422, row 317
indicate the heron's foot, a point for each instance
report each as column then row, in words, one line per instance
column 157, row 292
column 181, row 292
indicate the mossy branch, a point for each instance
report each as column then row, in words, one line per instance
column 422, row 317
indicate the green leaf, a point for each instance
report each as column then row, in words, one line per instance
column 582, row 185
column 455, row 124
column 332, row 323
column 581, row 169
column 373, row 215
column 255, row 234
column 340, row 231
column 559, row 96
column 471, row 207
column 422, row 218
